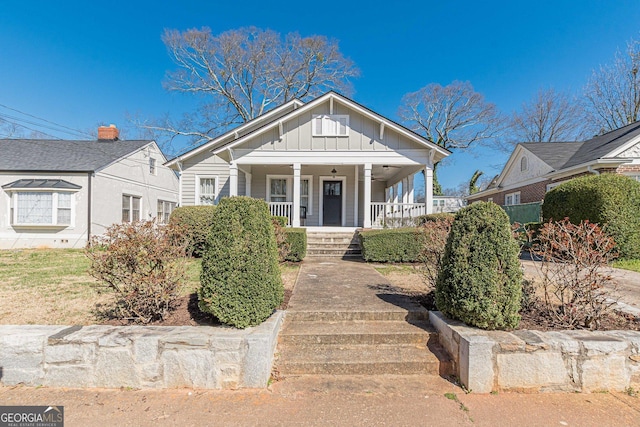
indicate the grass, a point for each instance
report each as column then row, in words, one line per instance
column 386, row 270
column 628, row 264
column 52, row 286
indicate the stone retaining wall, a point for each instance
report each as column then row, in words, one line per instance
column 585, row 361
column 138, row 356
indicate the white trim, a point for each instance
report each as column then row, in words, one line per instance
column 14, row 201
column 350, row 104
column 513, row 198
column 366, row 223
column 553, row 185
column 289, row 195
column 326, row 119
column 409, row 157
column 624, row 147
column 196, row 202
column 574, row 170
column 140, row 210
column 321, row 181
column 234, row 132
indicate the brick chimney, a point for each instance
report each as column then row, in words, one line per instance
column 108, row 133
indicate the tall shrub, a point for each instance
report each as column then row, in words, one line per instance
column 240, row 281
column 480, row 281
column 196, row 221
column 611, row 200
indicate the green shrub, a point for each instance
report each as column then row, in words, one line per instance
column 422, row 219
column 197, row 222
column 480, row 282
column 143, row 265
column 281, row 220
column 281, row 237
column 297, row 240
column 391, row 245
column 611, row 200
column 240, row 281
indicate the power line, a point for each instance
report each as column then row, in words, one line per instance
column 31, row 129
column 6, row 116
column 47, row 121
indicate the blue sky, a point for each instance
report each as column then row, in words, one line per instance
column 78, row 64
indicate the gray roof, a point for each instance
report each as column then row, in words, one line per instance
column 600, row 146
column 63, row 155
column 555, row 154
column 563, row 155
column 59, row 184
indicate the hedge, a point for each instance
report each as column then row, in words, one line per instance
column 240, row 281
column 422, row 219
column 297, row 240
column 480, row 280
column 611, row 200
column 391, row 245
column 197, row 222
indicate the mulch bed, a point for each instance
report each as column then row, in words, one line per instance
column 187, row 313
column 533, row 319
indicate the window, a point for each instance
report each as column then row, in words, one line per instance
column 330, row 125
column 524, row 164
column 152, row 166
column 441, row 202
column 435, row 203
column 207, row 191
column 512, row 199
column 280, row 189
column 164, row 211
column 130, row 208
column 42, row 208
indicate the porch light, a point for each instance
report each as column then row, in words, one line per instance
column 334, row 172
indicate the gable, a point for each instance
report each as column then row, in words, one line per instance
column 363, row 134
column 632, row 152
column 513, row 173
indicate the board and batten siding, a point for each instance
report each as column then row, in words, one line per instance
column 364, row 135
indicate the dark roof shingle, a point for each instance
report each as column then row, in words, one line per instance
column 62, row 155
column 555, row 154
column 59, row 184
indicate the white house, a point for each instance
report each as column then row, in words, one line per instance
column 327, row 162
column 58, row 193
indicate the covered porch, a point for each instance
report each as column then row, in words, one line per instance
column 365, row 195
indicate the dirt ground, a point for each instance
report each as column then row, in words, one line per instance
column 328, row 401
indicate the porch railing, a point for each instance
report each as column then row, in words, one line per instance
column 394, row 215
column 281, row 209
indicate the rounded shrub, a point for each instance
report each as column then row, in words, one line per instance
column 240, row 282
column 611, row 200
column 480, row 281
column 196, row 221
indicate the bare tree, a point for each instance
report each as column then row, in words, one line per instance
column 613, row 91
column 243, row 73
column 550, row 116
column 453, row 116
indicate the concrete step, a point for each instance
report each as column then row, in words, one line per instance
column 345, row 332
column 357, row 360
column 415, row 314
column 333, row 252
column 338, row 240
column 333, row 245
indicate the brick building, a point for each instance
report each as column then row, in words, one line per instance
column 535, row 168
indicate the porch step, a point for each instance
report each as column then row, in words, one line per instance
column 333, row 244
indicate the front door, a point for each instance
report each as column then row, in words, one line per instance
column 332, row 203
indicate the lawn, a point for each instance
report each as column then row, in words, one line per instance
column 628, row 264
column 52, row 287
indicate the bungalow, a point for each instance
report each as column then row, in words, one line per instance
column 535, row 168
column 58, row 193
column 327, row 162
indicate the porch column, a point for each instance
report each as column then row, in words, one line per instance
column 410, row 188
column 367, row 195
column 233, row 179
column 355, row 196
column 247, row 190
column 428, row 190
column 295, row 221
